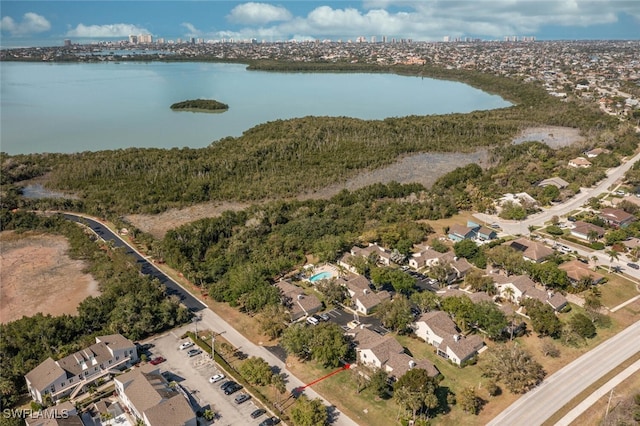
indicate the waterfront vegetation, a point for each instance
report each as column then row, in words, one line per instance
column 204, row 105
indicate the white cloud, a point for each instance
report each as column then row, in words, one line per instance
column 258, row 13
column 429, row 19
column 31, row 23
column 192, row 30
column 106, row 31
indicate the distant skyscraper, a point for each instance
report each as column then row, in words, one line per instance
column 446, row 39
column 133, row 39
column 67, row 42
column 145, row 38
column 373, row 39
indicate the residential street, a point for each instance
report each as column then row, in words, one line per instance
column 513, row 227
column 536, row 406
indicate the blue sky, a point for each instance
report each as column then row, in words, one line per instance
column 25, row 22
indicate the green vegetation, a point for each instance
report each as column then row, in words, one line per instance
column 206, row 105
column 513, row 366
column 131, row 304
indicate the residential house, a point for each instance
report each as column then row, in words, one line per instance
column 532, row 251
column 384, row 352
column 580, row 162
column 438, row 329
column 459, row 232
column 424, row 258
column 364, row 299
column 473, row 230
column 616, row 217
column 382, row 256
column 595, row 152
column 584, row 230
column 577, row 270
column 517, row 288
column 297, row 303
column 520, row 198
column 556, row 181
column 149, row 397
column 70, row 375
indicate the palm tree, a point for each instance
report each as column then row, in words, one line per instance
column 509, row 292
column 613, row 255
column 595, row 259
column 592, row 236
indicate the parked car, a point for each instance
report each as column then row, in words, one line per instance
column 270, row 421
column 571, row 219
column 633, row 265
column 157, row 360
column 216, row 378
column 194, row 352
column 185, row 345
column 495, row 226
column 312, row 321
column 235, row 387
column 257, row 413
column 324, row 316
column 243, row 397
column 227, row 384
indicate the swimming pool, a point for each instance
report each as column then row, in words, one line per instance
column 321, row 276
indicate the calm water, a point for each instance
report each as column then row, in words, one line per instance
column 90, row 107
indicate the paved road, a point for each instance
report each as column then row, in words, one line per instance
column 521, row 227
column 536, row 406
column 209, row 319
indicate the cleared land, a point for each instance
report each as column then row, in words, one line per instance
column 38, row 276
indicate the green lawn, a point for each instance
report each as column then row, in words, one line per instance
column 617, row 290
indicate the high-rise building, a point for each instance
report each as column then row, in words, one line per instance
column 133, row 39
column 446, row 39
column 145, row 38
column 67, row 42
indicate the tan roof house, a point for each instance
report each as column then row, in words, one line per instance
column 70, row 375
column 577, row 270
column 580, row 162
column 364, row 299
column 531, row 250
column 518, row 287
column 297, row 302
column 556, row 181
column 584, row 230
column 386, row 353
column 438, row 329
column 616, row 217
column 149, row 397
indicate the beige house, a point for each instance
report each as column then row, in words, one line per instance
column 532, row 251
column 364, row 299
column 297, row 303
column 384, row 352
column 70, row 375
column 580, row 162
column 516, row 288
column 438, row 329
column 149, row 397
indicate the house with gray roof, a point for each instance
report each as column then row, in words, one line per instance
column 363, row 298
column 384, row 352
column 149, row 397
column 438, row 329
column 70, row 375
column 297, row 302
column 516, row 288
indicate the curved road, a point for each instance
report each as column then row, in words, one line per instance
column 521, row 227
column 536, row 406
column 208, row 317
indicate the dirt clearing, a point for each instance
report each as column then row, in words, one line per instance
column 37, row 275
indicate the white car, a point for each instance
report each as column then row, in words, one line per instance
column 185, row 345
column 216, row 378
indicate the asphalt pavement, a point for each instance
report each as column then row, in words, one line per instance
column 536, row 406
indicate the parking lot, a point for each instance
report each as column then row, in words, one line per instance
column 193, row 373
column 343, row 318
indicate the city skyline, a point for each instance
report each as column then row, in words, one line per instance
column 26, row 23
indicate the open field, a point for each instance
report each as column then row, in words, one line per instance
column 39, row 276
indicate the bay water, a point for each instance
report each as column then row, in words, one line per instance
column 88, row 107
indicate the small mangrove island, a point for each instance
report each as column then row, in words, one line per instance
column 200, row 105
